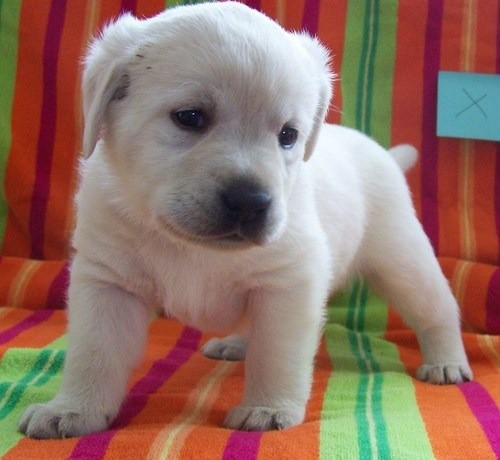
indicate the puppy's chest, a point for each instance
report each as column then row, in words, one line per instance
column 201, row 294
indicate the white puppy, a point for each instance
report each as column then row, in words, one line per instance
column 203, row 198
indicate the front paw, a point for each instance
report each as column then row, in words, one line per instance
column 58, row 420
column 441, row 374
column 261, row 418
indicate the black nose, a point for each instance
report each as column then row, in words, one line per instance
column 246, row 203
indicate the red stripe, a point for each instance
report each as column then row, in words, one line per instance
column 497, row 172
column 47, row 128
column 56, row 297
column 311, row 16
column 242, row 445
column 32, row 320
column 486, row 412
column 429, row 157
column 493, row 304
column 95, row 445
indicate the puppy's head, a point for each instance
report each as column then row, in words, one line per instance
column 206, row 113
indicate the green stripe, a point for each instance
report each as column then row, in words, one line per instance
column 30, row 376
column 366, row 66
column 392, row 391
column 10, row 12
column 385, row 61
column 37, row 376
column 338, row 429
column 367, row 70
column 368, row 413
column 349, row 71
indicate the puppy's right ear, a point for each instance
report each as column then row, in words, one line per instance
column 325, row 78
column 105, row 76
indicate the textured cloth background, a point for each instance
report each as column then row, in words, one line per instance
column 365, row 403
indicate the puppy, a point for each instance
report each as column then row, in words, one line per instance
column 217, row 195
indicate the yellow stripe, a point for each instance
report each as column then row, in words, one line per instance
column 281, row 12
column 168, row 443
column 466, row 202
column 458, row 282
column 16, row 293
column 468, row 242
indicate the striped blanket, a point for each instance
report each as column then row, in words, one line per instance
column 365, row 401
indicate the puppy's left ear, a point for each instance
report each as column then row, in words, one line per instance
column 325, row 77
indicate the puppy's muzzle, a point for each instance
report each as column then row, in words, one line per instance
column 246, row 208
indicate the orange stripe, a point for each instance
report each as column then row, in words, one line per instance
column 294, row 13
column 331, row 29
column 35, row 337
column 449, row 149
column 17, row 290
column 9, row 269
column 169, row 442
column 37, row 288
column 272, row 9
column 408, row 85
column 475, row 444
column 469, row 282
column 20, row 172
column 148, row 8
column 211, row 432
column 31, row 448
column 466, row 199
column 467, row 147
column 67, row 139
column 168, row 402
column 484, row 224
column 459, row 284
column 476, row 293
column 490, row 346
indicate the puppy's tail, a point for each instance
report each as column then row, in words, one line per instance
column 404, row 155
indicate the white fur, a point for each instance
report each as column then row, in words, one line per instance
column 148, row 235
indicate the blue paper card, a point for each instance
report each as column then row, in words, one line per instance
column 468, row 105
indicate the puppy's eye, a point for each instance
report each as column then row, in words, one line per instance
column 287, row 137
column 192, row 119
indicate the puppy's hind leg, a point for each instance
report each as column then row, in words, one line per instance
column 230, row 348
column 401, row 263
column 107, row 333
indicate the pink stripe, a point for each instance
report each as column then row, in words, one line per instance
column 486, row 412
column 493, row 304
column 56, row 298
column 47, row 128
column 253, row 4
column 128, row 6
column 311, row 16
column 430, row 218
column 242, row 445
column 33, row 320
column 95, row 445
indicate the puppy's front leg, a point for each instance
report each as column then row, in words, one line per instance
column 107, row 332
column 284, row 335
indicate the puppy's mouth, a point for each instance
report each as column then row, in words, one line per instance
column 232, row 239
